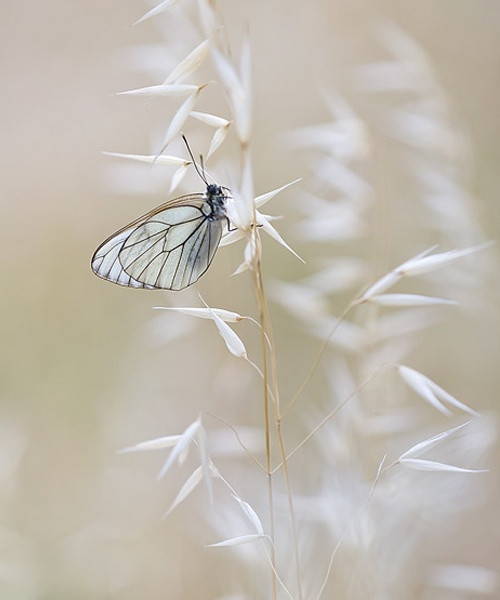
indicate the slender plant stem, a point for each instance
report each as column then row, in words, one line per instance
column 267, row 328
column 238, row 438
column 268, row 428
column 255, row 241
column 330, row 415
column 318, row 358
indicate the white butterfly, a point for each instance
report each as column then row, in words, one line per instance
column 170, row 247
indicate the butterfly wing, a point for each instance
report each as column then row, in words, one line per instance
column 169, row 248
column 105, row 262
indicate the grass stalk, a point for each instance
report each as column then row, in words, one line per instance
column 267, row 334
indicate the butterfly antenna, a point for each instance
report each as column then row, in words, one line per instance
column 200, row 173
column 207, row 175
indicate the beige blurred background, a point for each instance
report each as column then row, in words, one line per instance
column 80, row 377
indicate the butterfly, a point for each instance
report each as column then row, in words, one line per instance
column 170, row 247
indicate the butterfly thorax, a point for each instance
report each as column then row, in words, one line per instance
column 215, row 202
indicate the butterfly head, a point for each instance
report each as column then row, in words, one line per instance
column 214, row 190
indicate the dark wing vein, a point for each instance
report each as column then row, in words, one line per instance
column 192, row 257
